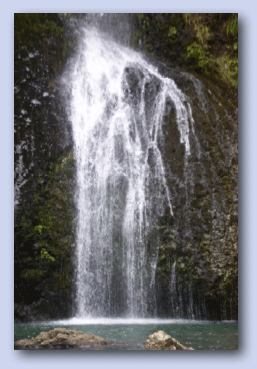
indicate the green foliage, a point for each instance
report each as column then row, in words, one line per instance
column 45, row 255
column 202, row 32
column 226, row 65
column 196, row 52
column 206, row 43
column 228, row 69
column 187, row 17
column 38, row 229
column 203, row 35
column 172, row 31
column 232, row 26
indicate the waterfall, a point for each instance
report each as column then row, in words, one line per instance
column 117, row 106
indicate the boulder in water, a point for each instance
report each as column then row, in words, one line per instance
column 162, row 341
column 61, row 337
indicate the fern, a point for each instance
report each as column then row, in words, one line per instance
column 232, row 26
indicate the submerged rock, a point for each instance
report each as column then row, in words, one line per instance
column 162, row 341
column 61, row 337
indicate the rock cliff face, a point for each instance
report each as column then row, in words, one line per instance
column 44, row 170
column 39, row 120
column 196, row 274
column 197, row 267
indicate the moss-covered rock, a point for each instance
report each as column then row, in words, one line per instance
column 203, row 42
column 44, row 170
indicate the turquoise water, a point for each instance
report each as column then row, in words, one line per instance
column 201, row 335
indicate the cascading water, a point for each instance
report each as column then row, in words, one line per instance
column 117, row 104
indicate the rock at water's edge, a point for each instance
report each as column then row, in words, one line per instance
column 162, row 341
column 62, row 337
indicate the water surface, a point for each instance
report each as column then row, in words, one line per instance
column 201, row 335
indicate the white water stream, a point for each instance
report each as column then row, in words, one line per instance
column 117, row 105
